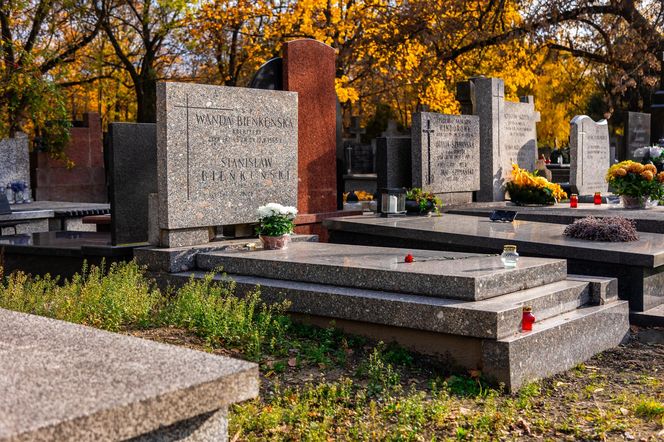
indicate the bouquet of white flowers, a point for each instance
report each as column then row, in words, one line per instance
column 276, row 220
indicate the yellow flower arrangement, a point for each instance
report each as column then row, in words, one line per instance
column 536, row 187
column 636, row 180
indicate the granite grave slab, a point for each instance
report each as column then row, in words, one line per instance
column 222, row 152
column 638, row 265
column 446, row 275
column 589, row 155
column 445, row 151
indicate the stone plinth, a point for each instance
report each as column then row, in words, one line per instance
column 132, row 177
column 14, row 160
column 222, row 153
column 309, row 70
column 86, row 181
column 66, row 382
column 589, row 155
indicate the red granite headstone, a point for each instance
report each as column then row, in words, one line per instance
column 86, row 181
column 309, row 70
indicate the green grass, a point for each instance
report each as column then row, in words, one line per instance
column 321, row 384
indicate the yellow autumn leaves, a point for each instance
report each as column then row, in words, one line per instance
column 523, row 178
column 646, row 171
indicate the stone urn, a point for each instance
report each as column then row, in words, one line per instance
column 635, row 202
column 275, row 242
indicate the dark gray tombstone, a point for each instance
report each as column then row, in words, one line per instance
column 637, row 133
column 269, row 76
column 132, row 177
column 393, row 162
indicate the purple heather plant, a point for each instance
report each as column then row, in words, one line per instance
column 612, row 229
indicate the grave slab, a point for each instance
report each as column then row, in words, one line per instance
column 446, row 275
column 66, row 382
column 639, row 265
column 651, row 220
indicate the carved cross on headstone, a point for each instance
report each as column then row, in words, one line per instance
column 356, row 130
column 428, row 131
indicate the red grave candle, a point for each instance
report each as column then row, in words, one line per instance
column 597, row 199
column 528, row 319
column 574, row 201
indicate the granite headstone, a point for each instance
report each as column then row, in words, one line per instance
column 393, row 162
column 132, row 177
column 637, row 132
column 445, row 152
column 507, row 133
column 14, row 160
column 222, row 152
column 589, row 155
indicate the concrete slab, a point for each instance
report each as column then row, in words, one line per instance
column 66, row 382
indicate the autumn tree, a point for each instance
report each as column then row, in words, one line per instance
column 142, row 35
column 38, row 37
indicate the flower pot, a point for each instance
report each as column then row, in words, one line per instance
column 275, row 242
column 635, row 202
column 413, row 208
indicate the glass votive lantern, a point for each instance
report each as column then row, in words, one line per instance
column 392, row 202
column 509, row 257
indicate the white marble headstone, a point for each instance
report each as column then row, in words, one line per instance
column 589, row 155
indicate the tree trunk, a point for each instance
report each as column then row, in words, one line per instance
column 146, row 98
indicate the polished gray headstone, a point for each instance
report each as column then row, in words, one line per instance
column 132, row 177
column 445, row 152
column 222, row 152
column 589, row 155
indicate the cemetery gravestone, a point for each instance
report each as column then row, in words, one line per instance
column 507, row 133
column 132, row 177
column 222, row 152
column 637, row 132
column 589, row 155
column 445, row 152
column 309, row 70
column 14, row 160
column 393, row 162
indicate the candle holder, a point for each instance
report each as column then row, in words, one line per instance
column 392, row 202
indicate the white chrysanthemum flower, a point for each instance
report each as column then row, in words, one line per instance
column 290, row 210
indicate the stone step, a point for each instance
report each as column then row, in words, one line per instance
column 450, row 275
column 555, row 344
column 493, row 318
